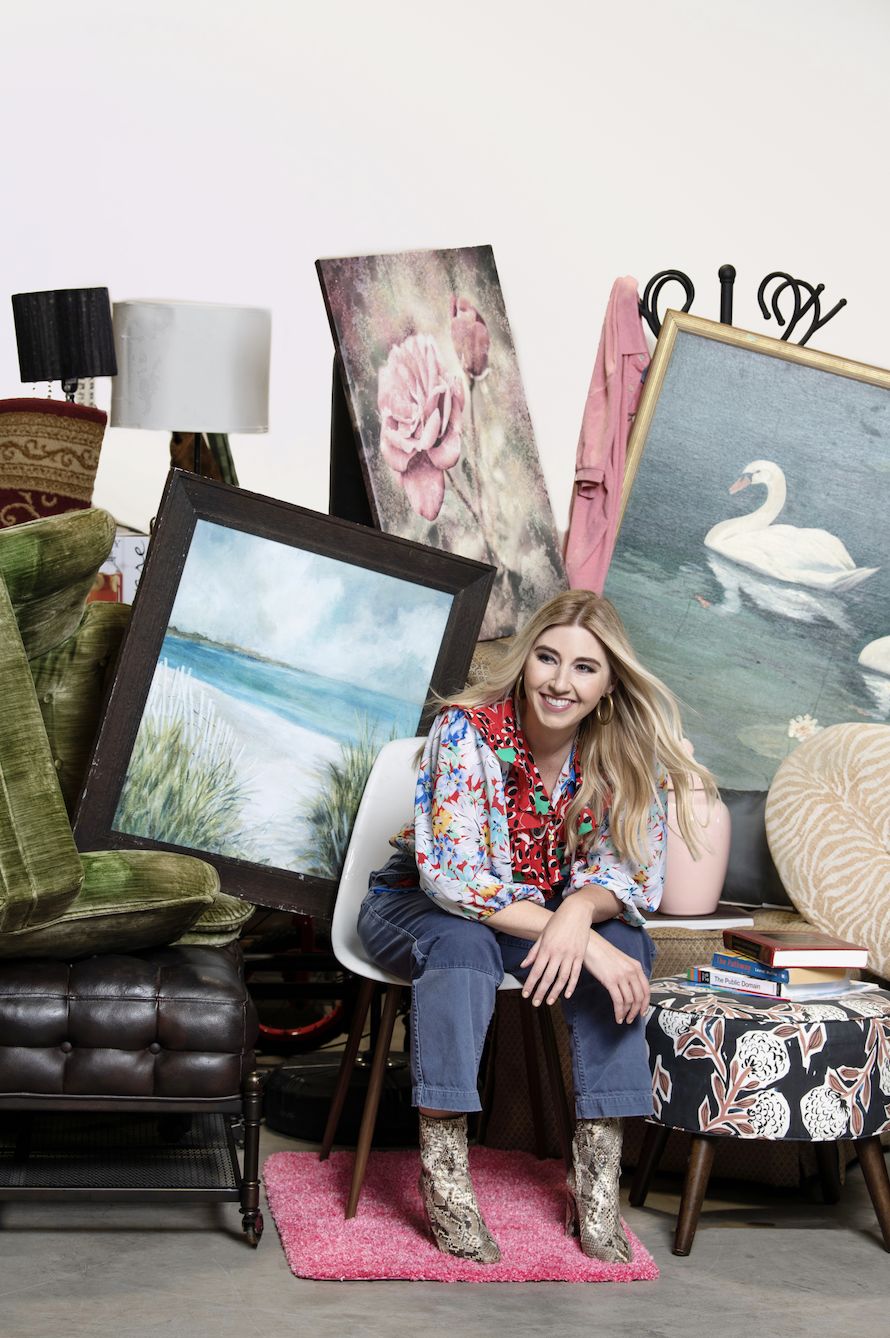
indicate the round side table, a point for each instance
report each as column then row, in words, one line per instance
column 730, row 1066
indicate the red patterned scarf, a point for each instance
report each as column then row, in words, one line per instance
column 536, row 827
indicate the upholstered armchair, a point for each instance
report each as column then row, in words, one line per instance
column 117, row 989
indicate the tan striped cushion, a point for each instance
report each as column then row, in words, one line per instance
column 828, row 827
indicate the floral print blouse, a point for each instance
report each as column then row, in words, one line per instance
column 472, row 793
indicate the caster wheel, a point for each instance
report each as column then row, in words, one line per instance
column 254, row 1230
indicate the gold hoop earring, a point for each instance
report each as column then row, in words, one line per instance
column 519, row 690
column 603, row 717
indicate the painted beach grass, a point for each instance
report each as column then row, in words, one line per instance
column 265, row 712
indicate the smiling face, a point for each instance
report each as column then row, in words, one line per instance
column 564, row 676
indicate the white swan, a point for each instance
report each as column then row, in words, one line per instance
column 876, row 656
column 812, row 558
column 788, row 601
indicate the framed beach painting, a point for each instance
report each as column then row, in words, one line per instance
column 439, row 417
column 752, row 565
column 271, row 652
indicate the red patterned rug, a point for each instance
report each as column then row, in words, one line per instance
column 522, row 1200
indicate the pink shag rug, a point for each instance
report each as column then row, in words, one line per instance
column 522, row 1200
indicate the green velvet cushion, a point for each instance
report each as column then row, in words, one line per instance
column 220, row 923
column 70, row 682
column 40, row 869
column 49, row 566
column 130, row 899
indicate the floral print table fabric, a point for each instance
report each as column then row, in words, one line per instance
column 815, row 1071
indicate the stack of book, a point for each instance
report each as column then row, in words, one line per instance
column 784, row 964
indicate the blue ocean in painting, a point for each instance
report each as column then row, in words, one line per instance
column 323, row 705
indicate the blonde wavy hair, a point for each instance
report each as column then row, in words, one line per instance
column 620, row 759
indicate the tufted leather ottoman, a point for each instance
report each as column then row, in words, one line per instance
column 166, row 1031
column 727, row 1066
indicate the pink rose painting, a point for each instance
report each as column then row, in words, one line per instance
column 444, row 435
column 470, row 337
column 420, row 408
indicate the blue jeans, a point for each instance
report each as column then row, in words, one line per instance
column 455, row 966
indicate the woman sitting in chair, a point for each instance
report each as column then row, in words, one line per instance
column 538, row 838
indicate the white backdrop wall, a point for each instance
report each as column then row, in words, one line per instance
column 212, row 149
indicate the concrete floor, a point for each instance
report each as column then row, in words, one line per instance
column 760, row 1257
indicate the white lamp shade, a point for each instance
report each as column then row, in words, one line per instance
column 191, row 367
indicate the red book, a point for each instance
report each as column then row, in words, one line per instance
column 795, row 947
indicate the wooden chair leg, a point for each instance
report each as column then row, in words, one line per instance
column 654, row 1143
column 701, row 1159
column 874, row 1171
column 828, row 1162
column 347, row 1064
column 372, row 1100
column 564, row 1122
column 533, row 1076
column 252, row 1106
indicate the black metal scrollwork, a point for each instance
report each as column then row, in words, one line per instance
column 652, row 292
column 805, row 297
column 797, row 288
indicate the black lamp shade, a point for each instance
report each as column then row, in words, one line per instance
column 64, row 334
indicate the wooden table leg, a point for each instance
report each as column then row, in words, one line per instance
column 654, row 1143
column 874, row 1171
column 701, row 1159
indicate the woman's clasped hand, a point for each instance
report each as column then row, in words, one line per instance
column 569, row 943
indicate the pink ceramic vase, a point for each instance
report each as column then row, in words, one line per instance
column 693, row 886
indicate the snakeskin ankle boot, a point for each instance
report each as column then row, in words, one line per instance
column 593, row 1190
column 447, row 1191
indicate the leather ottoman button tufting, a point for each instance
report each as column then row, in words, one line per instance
column 66, row 1047
column 154, row 1048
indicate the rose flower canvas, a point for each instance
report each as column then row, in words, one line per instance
column 442, row 427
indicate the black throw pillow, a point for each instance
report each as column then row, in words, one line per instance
column 751, row 877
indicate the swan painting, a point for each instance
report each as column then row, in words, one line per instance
column 812, row 558
column 788, row 601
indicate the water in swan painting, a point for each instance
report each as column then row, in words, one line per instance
column 752, row 566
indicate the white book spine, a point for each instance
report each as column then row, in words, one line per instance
column 732, row 980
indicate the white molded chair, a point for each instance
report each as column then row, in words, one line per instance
column 387, row 803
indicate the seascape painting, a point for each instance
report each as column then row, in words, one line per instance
column 752, row 566
column 443, row 430
column 281, row 673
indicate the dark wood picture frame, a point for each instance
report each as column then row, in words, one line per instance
column 187, row 499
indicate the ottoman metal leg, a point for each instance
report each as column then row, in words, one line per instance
column 698, row 1170
column 874, row 1170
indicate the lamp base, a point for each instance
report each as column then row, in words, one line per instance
column 208, row 455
